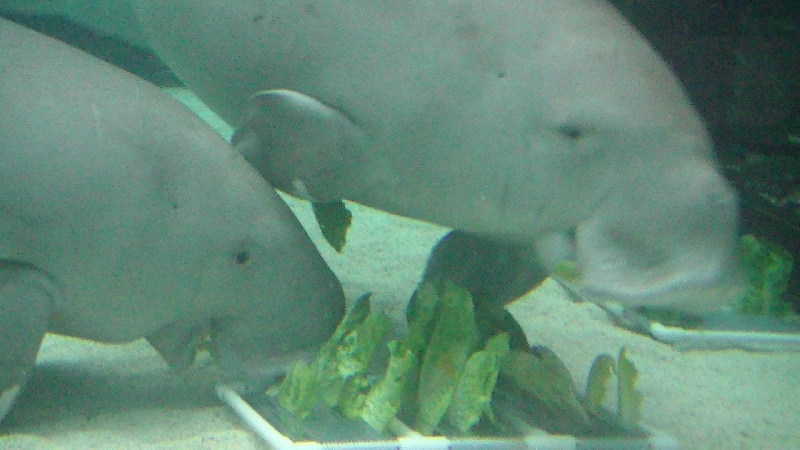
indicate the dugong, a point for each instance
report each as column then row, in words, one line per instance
column 123, row 215
column 548, row 125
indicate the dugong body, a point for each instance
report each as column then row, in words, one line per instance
column 123, row 215
column 547, row 124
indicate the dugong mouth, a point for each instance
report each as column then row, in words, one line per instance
column 688, row 295
column 672, row 241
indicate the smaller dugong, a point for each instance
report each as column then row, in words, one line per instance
column 123, row 215
column 548, row 125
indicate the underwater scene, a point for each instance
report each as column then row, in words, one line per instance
column 422, row 224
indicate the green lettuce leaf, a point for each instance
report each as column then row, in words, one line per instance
column 330, row 380
column 420, row 313
column 599, row 375
column 356, row 349
column 474, row 391
column 298, row 393
column 452, row 342
column 629, row 402
column 384, row 399
column 352, row 356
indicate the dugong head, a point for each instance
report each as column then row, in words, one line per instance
column 275, row 298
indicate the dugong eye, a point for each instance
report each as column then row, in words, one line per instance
column 242, row 257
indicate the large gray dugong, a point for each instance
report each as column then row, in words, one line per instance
column 123, row 215
column 549, row 124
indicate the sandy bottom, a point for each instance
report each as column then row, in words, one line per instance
column 86, row 395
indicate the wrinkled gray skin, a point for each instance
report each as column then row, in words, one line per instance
column 123, row 215
column 546, row 124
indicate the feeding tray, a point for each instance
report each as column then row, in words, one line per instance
column 326, row 429
column 715, row 331
column 459, row 395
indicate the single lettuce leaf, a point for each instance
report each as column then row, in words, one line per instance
column 453, row 339
column 327, row 365
column 420, row 314
column 298, row 393
column 351, row 357
column 629, row 401
column 596, row 385
column 356, row 349
column 334, row 220
column 540, row 374
column 385, row 398
column 474, row 391
column 769, row 267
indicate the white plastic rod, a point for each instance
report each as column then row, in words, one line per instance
column 711, row 339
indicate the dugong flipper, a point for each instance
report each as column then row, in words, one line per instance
column 26, row 301
column 549, row 124
column 493, row 271
column 123, row 215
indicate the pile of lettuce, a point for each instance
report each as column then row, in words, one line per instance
column 444, row 372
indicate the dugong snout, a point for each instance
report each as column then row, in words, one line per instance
column 672, row 242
